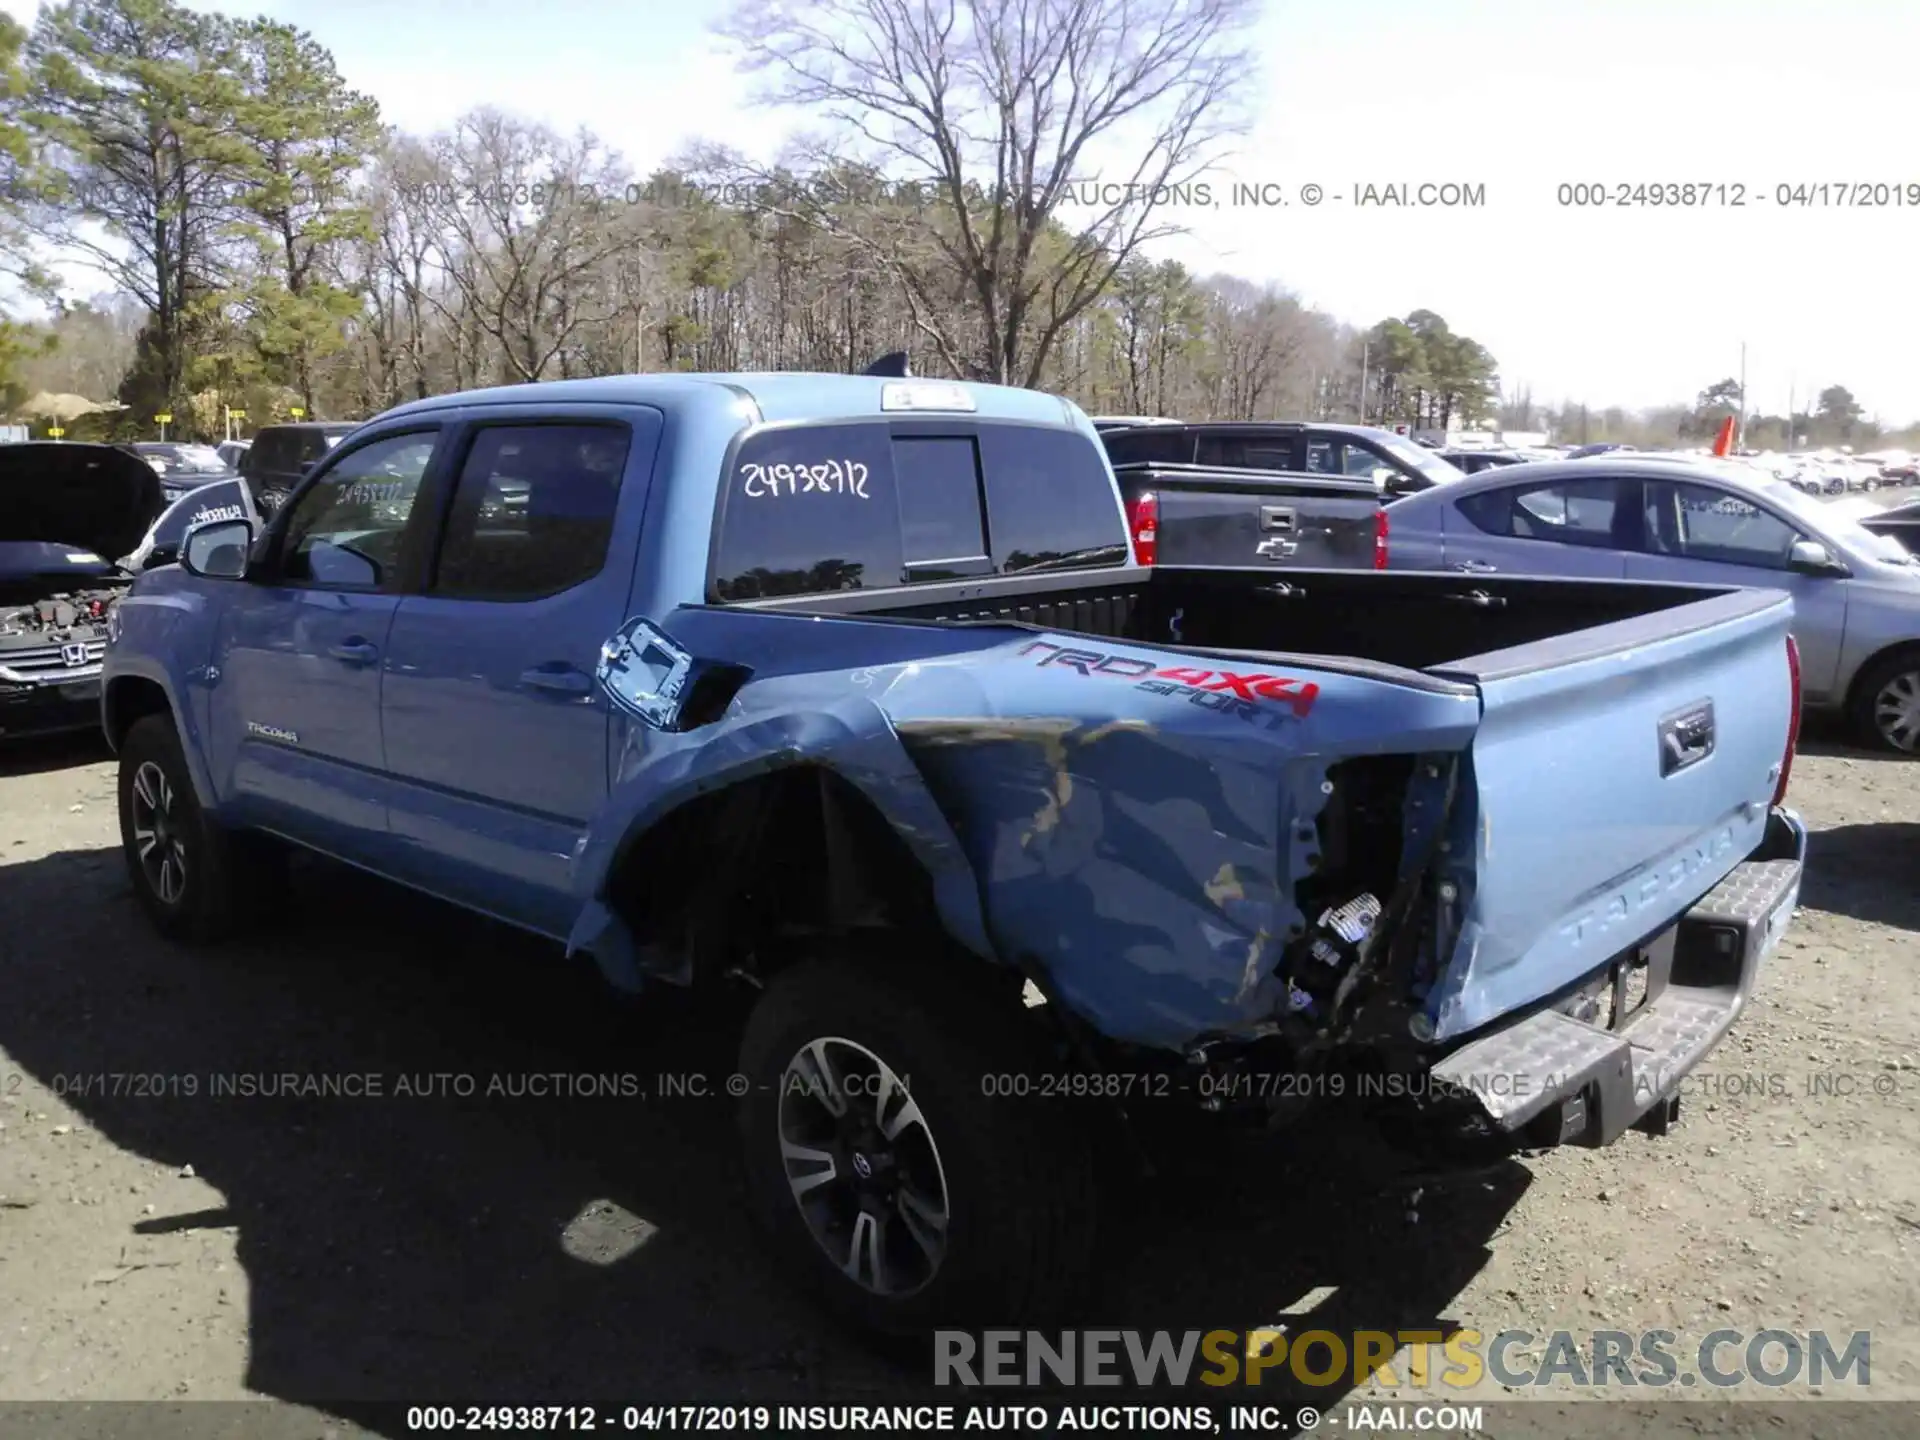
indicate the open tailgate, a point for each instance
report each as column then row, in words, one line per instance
column 1618, row 774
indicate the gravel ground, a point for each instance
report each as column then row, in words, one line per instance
column 161, row 1245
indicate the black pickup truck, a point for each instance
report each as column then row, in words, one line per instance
column 1266, row 493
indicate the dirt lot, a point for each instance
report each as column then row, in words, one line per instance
column 156, row 1244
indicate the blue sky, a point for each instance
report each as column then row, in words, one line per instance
column 1630, row 306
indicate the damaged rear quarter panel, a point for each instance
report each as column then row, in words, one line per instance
column 1135, row 838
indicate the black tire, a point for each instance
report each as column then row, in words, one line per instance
column 1018, row 1173
column 224, row 880
column 1864, row 714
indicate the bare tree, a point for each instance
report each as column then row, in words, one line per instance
column 1004, row 110
column 524, row 215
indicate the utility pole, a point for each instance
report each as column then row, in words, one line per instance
column 1363, row 380
column 1740, row 424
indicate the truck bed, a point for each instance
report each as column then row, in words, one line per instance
column 1407, row 619
column 1654, row 718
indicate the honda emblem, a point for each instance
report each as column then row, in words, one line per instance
column 73, row 655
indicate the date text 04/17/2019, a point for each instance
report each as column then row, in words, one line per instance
column 1739, row 195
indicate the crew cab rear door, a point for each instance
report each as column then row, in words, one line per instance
column 496, row 735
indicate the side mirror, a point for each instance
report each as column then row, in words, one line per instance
column 1810, row 557
column 1394, row 482
column 217, row 550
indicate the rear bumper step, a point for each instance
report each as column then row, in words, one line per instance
column 1562, row 1079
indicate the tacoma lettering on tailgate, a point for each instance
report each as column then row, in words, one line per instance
column 1248, row 696
column 1648, row 887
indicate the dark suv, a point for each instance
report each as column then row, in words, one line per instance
column 1394, row 463
column 281, row 454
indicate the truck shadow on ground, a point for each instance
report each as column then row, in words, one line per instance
column 561, row 1249
column 1865, row 871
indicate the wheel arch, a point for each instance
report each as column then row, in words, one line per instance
column 130, row 696
column 1856, row 686
column 737, row 875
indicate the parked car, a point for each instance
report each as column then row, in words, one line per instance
column 1897, row 522
column 1206, row 515
column 847, row 690
column 1856, row 594
column 1611, row 447
column 230, row 452
column 281, row 454
column 1394, row 464
column 181, row 466
column 65, row 507
column 1472, row 462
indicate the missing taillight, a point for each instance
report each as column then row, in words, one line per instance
column 1143, row 520
column 1793, row 720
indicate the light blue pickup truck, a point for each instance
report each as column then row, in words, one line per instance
column 850, row 691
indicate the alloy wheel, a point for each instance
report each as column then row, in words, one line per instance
column 1896, row 711
column 158, row 834
column 863, row 1167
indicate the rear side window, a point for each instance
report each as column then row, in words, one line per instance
column 1572, row 512
column 1248, row 452
column 1151, row 446
column 533, row 511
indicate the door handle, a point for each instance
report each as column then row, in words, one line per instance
column 1476, row 567
column 557, row 680
column 354, row 652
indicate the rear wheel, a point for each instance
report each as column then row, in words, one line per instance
column 896, row 1178
column 195, row 880
column 1886, row 704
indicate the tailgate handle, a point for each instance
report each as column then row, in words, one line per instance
column 1276, row 517
column 1686, row 738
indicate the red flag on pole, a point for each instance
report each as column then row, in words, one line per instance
column 1723, row 442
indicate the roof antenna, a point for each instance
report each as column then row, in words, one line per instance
column 892, row 366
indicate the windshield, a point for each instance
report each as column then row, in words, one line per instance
column 1421, row 460
column 1823, row 520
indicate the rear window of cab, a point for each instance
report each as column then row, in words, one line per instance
column 808, row 509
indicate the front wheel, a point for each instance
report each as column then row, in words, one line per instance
column 196, row 881
column 897, row 1177
column 1886, row 704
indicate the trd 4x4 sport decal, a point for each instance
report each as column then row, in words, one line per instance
column 1250, row 696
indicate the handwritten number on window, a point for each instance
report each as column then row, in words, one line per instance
column 829, row 477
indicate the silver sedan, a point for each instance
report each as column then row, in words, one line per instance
column 1856, row 595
